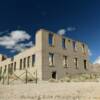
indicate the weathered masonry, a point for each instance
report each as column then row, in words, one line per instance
column 53, row 56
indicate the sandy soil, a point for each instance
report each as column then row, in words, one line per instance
column 51, row 91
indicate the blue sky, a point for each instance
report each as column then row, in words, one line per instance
column 79, row 18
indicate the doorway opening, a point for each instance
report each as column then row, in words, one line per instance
column 54, row 75
column 85, row 67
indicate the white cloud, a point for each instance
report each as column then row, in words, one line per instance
column 12, row 41
column 71, row 29
column 89, row 52
column 20, row 35
column 61, row 31
column 97, row 61
column 21, row 46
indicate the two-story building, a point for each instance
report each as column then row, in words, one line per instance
column 52, row 56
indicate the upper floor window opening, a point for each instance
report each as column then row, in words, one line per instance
column 83, row 48
column 63, row 43
column 10, row 68
column 24, row 63
column 14, row 66
column 12, row 58
column 74, row 46
column 50, row 39
column 20, row 64
column 76, row 62
column 0, row 72
column 28, row 61
column 65, row 61
column 5, row 69
column 51, row 59
column 33, row 60
column 69, row 40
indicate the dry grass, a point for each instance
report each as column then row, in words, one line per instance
column 76, row 87
column 51, row 91
column 81, row 78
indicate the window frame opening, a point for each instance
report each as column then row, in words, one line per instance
column 76, row 62
column 74, row 46
column 64, row 43
column 65, row 61
column 85, row 64
column 83, row 49
column 24, row 63
column 33, row 60
column 50, row 39
column 21, row 64
column 28, row 61
column 51, row 59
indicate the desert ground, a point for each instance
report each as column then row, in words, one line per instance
column 51, row 91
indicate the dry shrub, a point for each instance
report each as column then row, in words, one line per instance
column 53, row 80
column 81, row 78
column 65, row 79
column 29, row 78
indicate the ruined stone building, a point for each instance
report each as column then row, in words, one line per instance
column 52, row 56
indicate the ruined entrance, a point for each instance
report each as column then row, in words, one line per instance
column 54, row 75
column 85, row 67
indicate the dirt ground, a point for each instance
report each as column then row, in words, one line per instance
column 51, row 91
